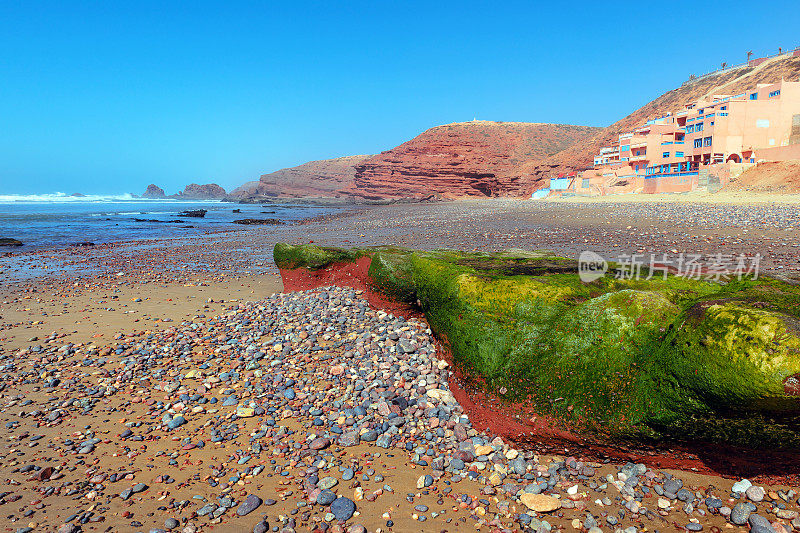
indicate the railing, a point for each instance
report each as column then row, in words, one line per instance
column 790, row 52
column 678, row 174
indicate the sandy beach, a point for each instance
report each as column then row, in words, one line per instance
column 170, row 385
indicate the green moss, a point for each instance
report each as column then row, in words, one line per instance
column 390, row 272
column 311, row 256
column 736, row 357
column 647, row 358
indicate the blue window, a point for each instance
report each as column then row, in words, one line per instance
column 698, row 143
column 690, row 129
column 707, row 141
column 723, row 108
column 678, row 154
column 636, row 168
column 753, row 96
column 665, row 154
column 775, row 93
column 698, row 126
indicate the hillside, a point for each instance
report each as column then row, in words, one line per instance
column 313, row 179
column 732, row 81
column 770, row 177
column 478, row 158
column 484, row 158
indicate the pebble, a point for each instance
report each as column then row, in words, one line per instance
column 250, row 504
column 343, row 508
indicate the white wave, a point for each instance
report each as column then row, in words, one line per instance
column 60, row 197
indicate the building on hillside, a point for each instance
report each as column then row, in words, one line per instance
column 673, row 153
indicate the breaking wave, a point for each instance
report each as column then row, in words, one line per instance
column 60, row 197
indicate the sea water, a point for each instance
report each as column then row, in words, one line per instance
column 57, row 220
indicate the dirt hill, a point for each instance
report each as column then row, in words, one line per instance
column 729, row 82
column 774, row 177
column 315, row 178
column 478, row 158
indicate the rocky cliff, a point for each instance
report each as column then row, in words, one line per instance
column 478, row 158
column 732, row 81
column 208, row 191
column 313, row 179
column 154, row 191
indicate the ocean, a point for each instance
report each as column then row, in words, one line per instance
column 59, row 220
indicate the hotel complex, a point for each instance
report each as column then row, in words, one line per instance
column 705, row 143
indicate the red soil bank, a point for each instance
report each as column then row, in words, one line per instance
column 345, row 275
column 537, row 432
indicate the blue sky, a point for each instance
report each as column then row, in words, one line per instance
column 107, row 97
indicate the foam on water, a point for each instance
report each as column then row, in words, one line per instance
column 60, row 197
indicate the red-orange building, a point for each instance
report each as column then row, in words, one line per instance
column 668, row 154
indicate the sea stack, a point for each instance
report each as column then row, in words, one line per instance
column 154, row 191
column 208, row 191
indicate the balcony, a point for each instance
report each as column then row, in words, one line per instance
column 639, row 145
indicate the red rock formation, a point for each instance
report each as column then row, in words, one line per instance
column 208, row 191
column 313, row 179
column 478, row 158
column 154, row 191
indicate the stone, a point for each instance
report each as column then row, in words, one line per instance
column 740, row 513
column 245, row 412
column 754, row 493
column 343, row 508
column 319, row 443
column 326, row 497
column 250, row 504
column 327, row 482
column 348, row 439
column 176, row 422
column 541, row 503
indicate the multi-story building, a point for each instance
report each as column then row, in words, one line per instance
column 668, row 153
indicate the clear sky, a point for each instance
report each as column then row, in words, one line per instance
column 106, row 97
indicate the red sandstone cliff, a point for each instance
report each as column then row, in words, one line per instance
column 478, row 158
column 313, row 179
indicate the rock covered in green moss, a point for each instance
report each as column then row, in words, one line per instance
column 646, row 358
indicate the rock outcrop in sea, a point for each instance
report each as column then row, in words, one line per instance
column 208, row 191
column 154, row 191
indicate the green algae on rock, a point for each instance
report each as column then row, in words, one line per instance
column 640, row 358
